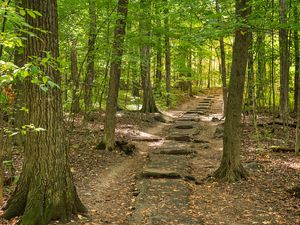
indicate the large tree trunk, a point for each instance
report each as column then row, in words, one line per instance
column 231, row 168
column 45, row 189
column 167, row 54
column 115, row 74
column 90, row 73
column 284, row 62
column 75, row 106
column 149, row 105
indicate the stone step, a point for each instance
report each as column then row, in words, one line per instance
column 175, row 151
column 195, row 111
column 167, row 166
column 163, row 202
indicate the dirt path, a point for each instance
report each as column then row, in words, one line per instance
column 110, row 183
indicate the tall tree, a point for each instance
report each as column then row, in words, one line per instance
column 167, row 53
column 149, row 105
column 223, row 63
column 231, row 168
column 297, row 60
column 90, row 70
column 45, row 189
column 284, row 61
column 115, row 74
column 75, row 106
column 297, row 80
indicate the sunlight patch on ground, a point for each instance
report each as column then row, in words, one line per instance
column 293, row 165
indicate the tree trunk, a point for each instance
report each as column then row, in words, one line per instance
column 115, row 75
column 284, row 62
column 189, row 63
column 223, row 71
column 75, row 106
column 90, row 74
column 167, row 54
column 149, row 105
column 261, row 70
column 231, row 168
column 223, row 64
column 45, row 189
column 158, row 72
column 297, row 82
column 2, row 150
column 297, row 61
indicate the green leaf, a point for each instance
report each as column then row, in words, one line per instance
column 52, row 84
column 44, row 88
column 34, row 69
column 31, row 13
column 22, row 12
column 45, row 80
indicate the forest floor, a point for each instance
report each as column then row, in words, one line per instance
column 108, row 182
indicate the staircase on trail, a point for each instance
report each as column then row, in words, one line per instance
column 165, row 185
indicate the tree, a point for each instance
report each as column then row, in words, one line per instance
column 45, row 189
column 75, row 106
column 284, row 62
column 231, row 168
column 167, row 54
column 115, row 75
column 223, row 63
column 90, row 74
column 149, row 105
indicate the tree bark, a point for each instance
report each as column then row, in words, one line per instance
column 297, row 81
column 223, row 64
column 45, row 189
column 297, row 61
column 75, row 106
column 231, row 168
column 149, row 105
column 90, row 75
column 284, row 62
column 115, row 74
column 261, row 70
column 167, row 54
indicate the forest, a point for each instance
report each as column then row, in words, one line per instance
column 149, row 112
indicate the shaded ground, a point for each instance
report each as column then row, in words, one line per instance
column 107, row 182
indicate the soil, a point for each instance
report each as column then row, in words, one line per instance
column 108, row 182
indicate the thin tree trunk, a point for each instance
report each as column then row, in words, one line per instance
column 189, row 63
column 45, row 189
column 75, row 106
column 231, row 168
column 90, row 75
column 261, row 70
column 297, row 81
column 272, row 69
column 167, row 55
column 3, row 26
column 115, row 75
column 149, row 105
column 284, row 63
column 297, row 62
column 223, row 64
column 158, row 72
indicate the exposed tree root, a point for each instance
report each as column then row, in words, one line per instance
column 230, row 173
